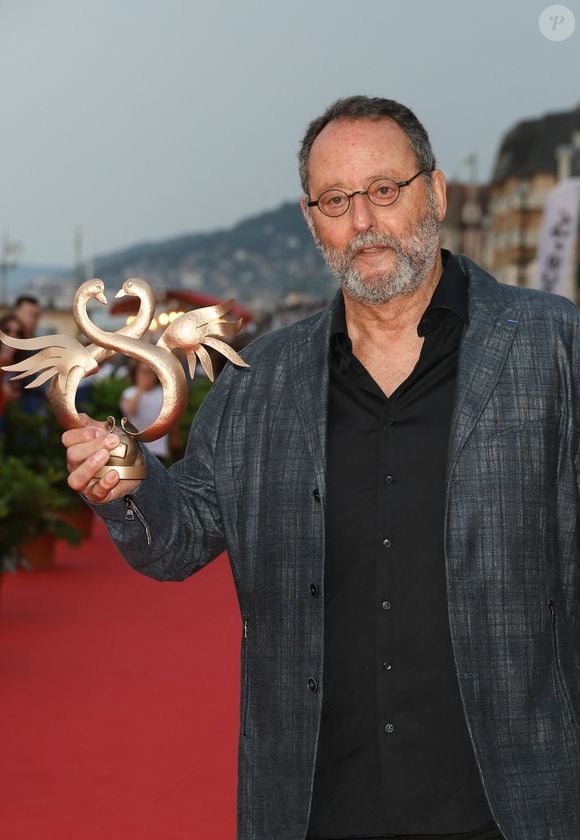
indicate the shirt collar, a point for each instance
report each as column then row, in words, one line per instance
column 450, row 295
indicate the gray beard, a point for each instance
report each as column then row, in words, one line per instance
column 415, row 255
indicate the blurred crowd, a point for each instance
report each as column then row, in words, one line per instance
column 21, row 322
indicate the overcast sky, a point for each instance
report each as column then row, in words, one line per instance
column 143, row 119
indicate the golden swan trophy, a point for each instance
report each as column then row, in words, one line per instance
column 67, row 362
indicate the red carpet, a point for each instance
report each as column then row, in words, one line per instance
column 119, row 704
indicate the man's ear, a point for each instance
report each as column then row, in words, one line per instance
column 307, row 216
column 439, row 193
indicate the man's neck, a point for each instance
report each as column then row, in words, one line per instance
column 394, row 320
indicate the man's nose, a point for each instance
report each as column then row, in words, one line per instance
column 363, row 217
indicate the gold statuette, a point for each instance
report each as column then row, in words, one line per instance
column 67, row 362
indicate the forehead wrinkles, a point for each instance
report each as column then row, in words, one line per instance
column 347, row 151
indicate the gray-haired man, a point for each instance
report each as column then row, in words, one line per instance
column 396, row 482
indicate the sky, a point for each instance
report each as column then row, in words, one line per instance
column 138, row 120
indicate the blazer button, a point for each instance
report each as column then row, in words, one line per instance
column 316, row 494
column 314, row 590
column 312, row 684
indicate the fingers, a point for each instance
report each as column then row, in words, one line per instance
column 74, row 436
column 88, row 451
column 100, row 490
column 86, row 458
column 82, row 444
column 90, row 425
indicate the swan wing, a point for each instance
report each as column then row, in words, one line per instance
column 40, row 343
column 207, row 314
column 33, row 363
column 42, row 377
column 225, row 328
column 188, row 330
column 225, row 350
column 53, row 357
column 205, row 362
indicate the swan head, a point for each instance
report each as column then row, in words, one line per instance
column 134, row 286
column 94, row 288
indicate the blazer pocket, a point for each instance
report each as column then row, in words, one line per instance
column 529, row 425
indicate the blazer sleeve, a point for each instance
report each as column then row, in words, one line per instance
column 171, row 526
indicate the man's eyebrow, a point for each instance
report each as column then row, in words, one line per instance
column 339, row 185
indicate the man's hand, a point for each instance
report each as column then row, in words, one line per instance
column 88, row 450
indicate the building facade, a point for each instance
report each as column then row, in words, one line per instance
column 533, row 157
column 466, row 226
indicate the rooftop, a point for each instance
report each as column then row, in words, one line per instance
column 530, row 147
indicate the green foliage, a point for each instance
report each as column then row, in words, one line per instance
column 33, row 482
column 34, row 438
column 30, row 504
column 197, row 392
column 105, row 396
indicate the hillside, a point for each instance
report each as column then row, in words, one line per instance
column 259, row 260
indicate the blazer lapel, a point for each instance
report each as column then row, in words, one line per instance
column 483, row 351
column 309, row 368
column 484, row 348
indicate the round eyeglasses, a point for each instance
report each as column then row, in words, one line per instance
column 381, row 191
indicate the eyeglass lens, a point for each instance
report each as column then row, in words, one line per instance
column 383, row 191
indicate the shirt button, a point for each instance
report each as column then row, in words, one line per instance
column 388, row 479
column 387, row 542
column 314, row 590
column 316, row 494
column 312, row 684
column 386, row 425
column 386, row 605
column 386, row 666
column 389, row 728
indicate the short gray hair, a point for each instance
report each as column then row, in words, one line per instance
column 369, row 108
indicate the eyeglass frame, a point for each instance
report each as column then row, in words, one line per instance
column 398, row 184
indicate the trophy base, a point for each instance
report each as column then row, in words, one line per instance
column 126, row 458
column 139, row 471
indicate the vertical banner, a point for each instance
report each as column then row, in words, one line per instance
column 557, row 244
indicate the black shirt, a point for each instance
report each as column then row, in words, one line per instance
column 394, row 754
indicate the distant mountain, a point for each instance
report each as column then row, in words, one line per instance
column 258, row 261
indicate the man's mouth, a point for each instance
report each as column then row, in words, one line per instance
column 370, row 250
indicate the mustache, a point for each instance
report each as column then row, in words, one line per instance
column 372, row 240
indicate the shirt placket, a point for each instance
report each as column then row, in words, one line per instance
column 385, row 602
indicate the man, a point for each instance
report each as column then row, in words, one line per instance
column 27, row 310
column 396, row 482
column 9, row 391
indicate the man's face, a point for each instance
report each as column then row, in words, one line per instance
column 29, row 315
column 377, row 253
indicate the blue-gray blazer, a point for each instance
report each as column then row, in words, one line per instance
column 253, row 481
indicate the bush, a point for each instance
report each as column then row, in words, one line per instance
column 104, row 397
column 197, row 392
column 30, row 504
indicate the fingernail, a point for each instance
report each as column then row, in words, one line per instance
column 112, row 440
